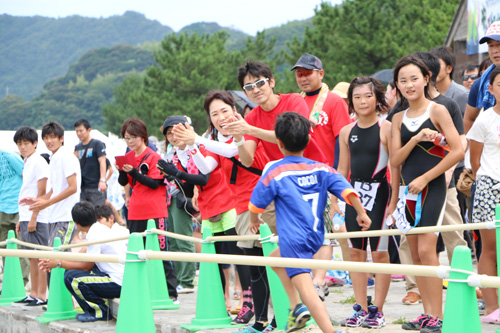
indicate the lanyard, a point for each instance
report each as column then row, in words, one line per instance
column 418, row 208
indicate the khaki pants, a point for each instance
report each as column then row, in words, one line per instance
column 451, row 239
column 8, row 222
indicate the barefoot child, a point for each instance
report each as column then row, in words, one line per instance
column 299, row 188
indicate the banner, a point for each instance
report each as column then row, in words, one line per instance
column 480, row 15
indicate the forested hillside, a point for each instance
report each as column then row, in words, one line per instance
column 36, row 49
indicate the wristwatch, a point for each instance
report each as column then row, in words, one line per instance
column 59, row 264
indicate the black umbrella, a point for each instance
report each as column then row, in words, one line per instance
column 384, row 75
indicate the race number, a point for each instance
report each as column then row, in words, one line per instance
column 367, row 193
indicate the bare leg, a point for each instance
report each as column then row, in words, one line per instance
column 382, row 281
column 344, row 245
column 324, row 253
column 359, row 279
column 226, row 289
column 304, row 285
column 488, row 265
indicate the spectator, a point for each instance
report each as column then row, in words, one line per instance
column 470, row 74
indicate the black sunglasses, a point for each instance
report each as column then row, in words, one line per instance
column 472, row 77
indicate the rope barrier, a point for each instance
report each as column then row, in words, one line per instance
column 34, row 246
column 176, row 236
column 3, row 244
column 211, row 239
column 414, row 231
column 72, row 246
column 474, row 280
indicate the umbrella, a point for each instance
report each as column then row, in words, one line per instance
column 384, row 75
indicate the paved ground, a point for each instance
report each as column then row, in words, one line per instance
column 339, row 306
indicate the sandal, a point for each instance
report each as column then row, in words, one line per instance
column 236, row 310
column 237, row 295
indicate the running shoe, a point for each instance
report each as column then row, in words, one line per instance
column 269, row 328
column 371, row 283
column 326, row 291
column 184, row 290
column 356, row 319
column 24, row 301
column 417, row 324
column 412, row 298
column 320, row 291
column 37, row 302
column 246, row 313
column 375, row 318
column 248, row 329
column 297, row 318
column 432, row 326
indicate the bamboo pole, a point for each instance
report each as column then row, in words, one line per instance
column 60, row 255
column 176, row 236
column 72, row 246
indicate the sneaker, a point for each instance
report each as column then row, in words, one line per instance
column 326, row 291
column 270, row 328
column 37, row 302
column 175, row 300
column 87, row 317
column 412, row 298
column 248, row 329
column 432, row 326
column 417, row 324
column 24, row 301
column 375, row 318
column 297, row 318
column 246, row 313
column 397, row 277
column 356, row 319
column 183, row 290
column 371, row 283
column 320, row 291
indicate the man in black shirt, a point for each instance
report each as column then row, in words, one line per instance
column 92, row 156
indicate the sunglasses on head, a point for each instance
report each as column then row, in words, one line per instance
column 258, row 84
column 472, row 77
column 304, row 72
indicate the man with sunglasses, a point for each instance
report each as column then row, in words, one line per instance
column 470, row 74
column 258, row 83
column 327, row 111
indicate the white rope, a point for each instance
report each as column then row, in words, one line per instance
column 176, row 236
column 34, row 246
column 72, row 246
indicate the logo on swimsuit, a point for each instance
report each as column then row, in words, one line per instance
column 308, row 180
column 354, row 138
column 414, row 123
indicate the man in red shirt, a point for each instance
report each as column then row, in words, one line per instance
column 328, row 113
column 258, row 83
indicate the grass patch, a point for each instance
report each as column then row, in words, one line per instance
column 337, row 291
column 401, row 321
column 349, row 300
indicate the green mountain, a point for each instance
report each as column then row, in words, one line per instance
column 37, row 49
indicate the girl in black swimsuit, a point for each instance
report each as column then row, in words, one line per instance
column 422, row 171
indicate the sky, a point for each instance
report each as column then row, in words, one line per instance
column 247, row 16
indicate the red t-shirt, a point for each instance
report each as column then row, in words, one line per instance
column 215, row 197
column 267, row 119
column 146, row 203
column 245, row 180
column 332, row 118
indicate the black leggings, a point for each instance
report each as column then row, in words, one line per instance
column 243, row 270
column 260, row 286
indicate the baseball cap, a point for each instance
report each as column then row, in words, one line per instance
column 171, row 121
column 308, row 61
column 493, row 33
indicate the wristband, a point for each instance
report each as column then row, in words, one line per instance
column 102, row 180
column 239, row 143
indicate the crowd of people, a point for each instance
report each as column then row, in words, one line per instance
column 393, row 154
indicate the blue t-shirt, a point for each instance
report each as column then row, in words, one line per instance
column 299, row 189
column 487, row 101
column 11, row 170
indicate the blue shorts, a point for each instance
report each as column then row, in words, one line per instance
column 301, row 248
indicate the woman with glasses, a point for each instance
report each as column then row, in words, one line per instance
column 149, row 195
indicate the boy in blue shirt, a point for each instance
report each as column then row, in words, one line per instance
column 299, row 189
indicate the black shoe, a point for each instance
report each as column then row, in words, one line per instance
column 37, row 302
column 24, row 301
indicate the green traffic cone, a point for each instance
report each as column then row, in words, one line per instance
column 281, row 304
column 157, row 281
column 13, row 285
column 60, row 302
column 211, row 310
column 135, row 313
column 461, row 313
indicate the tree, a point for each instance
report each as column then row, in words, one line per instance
column 361, row 37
